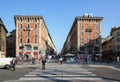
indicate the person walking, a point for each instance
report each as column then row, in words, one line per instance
column 33, row 61
column 43, row 64
column 60, row 60
column 14, row 62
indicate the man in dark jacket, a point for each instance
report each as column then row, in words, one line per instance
column 43, row 64
column 14, row 62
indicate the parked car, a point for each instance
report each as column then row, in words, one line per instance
column 5, row 62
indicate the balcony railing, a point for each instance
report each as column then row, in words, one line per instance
column 89, row 30
column 27, row 29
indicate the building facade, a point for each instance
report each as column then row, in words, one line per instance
column 11, row 46
column 84, row 37
column 115, row 32
column 107, row 49
column 32, row 37
column 3, row 35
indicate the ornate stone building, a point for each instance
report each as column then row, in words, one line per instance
column 115, row 33
column 3, row 34
column 84, row 37
column 32, row 37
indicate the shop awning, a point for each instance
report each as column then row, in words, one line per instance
column 28, row 53
column 21, row 52
column 35, row 53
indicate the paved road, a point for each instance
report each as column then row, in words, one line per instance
column 6, row 74
column 58, row 73
column 108, row 73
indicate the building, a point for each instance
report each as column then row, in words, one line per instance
column 107, row 49
column 32, row 37
column 111, row 45
column 3, row 34
column 115, row 32
column 84, row 37
column 11, row 46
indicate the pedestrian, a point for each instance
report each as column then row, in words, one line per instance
column 33, row 61
column 60, row 60
column 14, row 62
column 43, row 64
column 118, row 59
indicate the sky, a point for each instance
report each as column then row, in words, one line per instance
column 59, row 15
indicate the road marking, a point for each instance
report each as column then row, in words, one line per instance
column 87, row 75
column 60, row 78
column 58, row 72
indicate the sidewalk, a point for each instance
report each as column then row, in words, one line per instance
column 115, row 66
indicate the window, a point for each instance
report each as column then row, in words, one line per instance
column 21, row 40
column 35, row 19
column 82, row 41
column 89, row 40
column 96, row 41
column 28, row 20
column 35, row 40
column 28, row 26
column 82, row 27
column 96, row 27
column 118, row 40
column 89, row 27
column 35, row 33
column 20, row 26
column 118, row 47
column 21, row 33
column 35, row 26
column 28, row 33
column 96, row 34
column 28, row 40
column 89, row 33
column 28, row 47
column 82, row 34
column 35, row 48
column 21, row 47
column 118, row 34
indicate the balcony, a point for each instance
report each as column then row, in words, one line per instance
column 89, row 30
column 27, row 29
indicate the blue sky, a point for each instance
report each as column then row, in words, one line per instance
column 60, row 14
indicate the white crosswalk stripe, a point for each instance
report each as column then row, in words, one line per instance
column 60, row 74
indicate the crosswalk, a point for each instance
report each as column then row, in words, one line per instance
column 60, row 73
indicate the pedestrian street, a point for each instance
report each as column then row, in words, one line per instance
column 64, row 72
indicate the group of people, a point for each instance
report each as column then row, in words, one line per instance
column 43, row 61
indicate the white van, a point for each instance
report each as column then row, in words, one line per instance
column 5, row 62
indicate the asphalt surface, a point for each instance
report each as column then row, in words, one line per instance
column 107, row 72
